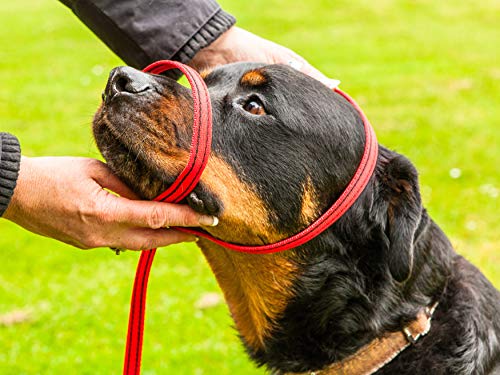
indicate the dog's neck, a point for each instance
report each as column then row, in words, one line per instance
column 257, row 289
column 303, row 313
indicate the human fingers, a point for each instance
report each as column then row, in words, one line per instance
column 145, row 238
column 152, row 215
column 237, row 44
column 142, row 213
column 315, row 73
column 290, row 58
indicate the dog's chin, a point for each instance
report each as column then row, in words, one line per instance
column 130, row 163
column 133, row 166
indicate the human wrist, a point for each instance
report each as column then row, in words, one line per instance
column 217, row 53
column 213, row 29
column 10, row 159
column 16, row 204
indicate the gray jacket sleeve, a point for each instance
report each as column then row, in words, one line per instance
column 10, row 158
column 141, row 32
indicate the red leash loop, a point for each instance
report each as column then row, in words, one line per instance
column 189, row 177
column 350, row 194
column 198, row 157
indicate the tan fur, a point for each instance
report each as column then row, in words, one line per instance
column 154, row 137
column 253, row 78
column 205, row 72
column 257, row 288
column 309, row 208
column 245, row 218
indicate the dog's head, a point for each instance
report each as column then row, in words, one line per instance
column 280, row 156
column 284, row 148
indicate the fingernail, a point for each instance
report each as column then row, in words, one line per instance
column 332, row 83
column 210, row 221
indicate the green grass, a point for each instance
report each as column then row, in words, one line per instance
column 425, row 72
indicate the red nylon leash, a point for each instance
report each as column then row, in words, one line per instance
column 189, row 177
column 201, row 142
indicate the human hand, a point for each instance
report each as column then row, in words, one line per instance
column 64, row 198
column 240, row 45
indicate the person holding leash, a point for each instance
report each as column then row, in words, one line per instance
column 67, row 198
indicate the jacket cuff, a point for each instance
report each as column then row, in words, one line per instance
column 215, row 27
column 10, row 159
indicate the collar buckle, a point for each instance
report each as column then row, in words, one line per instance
column 409, row 337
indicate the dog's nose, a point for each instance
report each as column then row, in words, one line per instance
column 125, row 79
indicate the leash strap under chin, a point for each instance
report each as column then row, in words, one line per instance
column 189, row 177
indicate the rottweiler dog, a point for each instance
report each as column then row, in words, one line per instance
column 284, row 148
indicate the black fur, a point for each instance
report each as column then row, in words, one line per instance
column 372, row 271
column 352, row 293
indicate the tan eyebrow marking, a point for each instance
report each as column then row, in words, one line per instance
column 205, row 72
column 253, row 78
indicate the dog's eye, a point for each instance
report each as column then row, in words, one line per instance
column 254, row 106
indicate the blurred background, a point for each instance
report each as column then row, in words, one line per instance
column 426, row 73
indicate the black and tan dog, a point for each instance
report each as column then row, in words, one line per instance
column 284, row 148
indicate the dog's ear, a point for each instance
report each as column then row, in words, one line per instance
column 401, row 211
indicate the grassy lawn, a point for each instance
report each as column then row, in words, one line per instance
column 425, row 72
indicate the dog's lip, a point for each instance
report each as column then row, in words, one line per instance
column 120, row 136
column 128, row 147
column 122, row 145
column 103, row 122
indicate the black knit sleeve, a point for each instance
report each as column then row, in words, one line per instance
column 141, row 32
column 10, row 158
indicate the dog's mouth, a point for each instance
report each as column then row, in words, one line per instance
column 128, row 161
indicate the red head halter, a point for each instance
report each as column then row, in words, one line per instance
column 187, row 181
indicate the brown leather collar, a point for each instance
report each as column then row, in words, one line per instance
column 380, row 351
